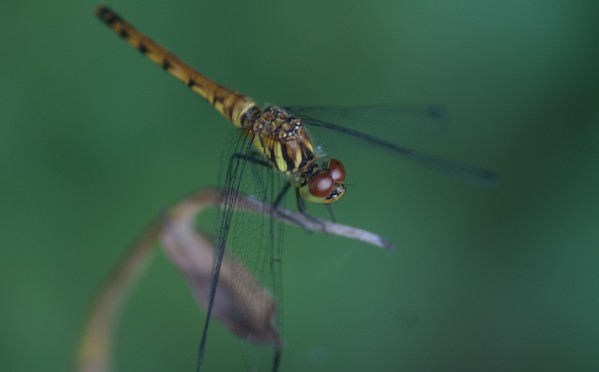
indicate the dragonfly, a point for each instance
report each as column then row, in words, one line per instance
column 272, row 140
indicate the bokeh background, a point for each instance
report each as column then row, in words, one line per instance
column 95, row 141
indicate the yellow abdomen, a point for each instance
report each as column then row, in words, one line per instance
column 230, row 104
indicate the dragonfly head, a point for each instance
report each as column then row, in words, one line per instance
column 325, row 184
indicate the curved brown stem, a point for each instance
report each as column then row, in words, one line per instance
column 192, row 251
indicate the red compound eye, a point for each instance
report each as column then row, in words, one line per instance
column 321, row 185
column 337, row 170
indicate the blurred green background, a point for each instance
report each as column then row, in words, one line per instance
column 95, row 141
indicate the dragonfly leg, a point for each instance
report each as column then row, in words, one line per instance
column 258, row 160
column 331, row 212
column 301, row 207
column 276, row 361
column 282, row 193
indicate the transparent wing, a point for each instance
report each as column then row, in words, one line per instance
column 379, row 126
column 411, row 119
column 246, row 289
column 256, row 242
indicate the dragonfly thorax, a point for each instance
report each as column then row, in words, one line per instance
column 284, row 141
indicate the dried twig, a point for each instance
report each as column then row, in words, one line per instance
column 192, row 252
